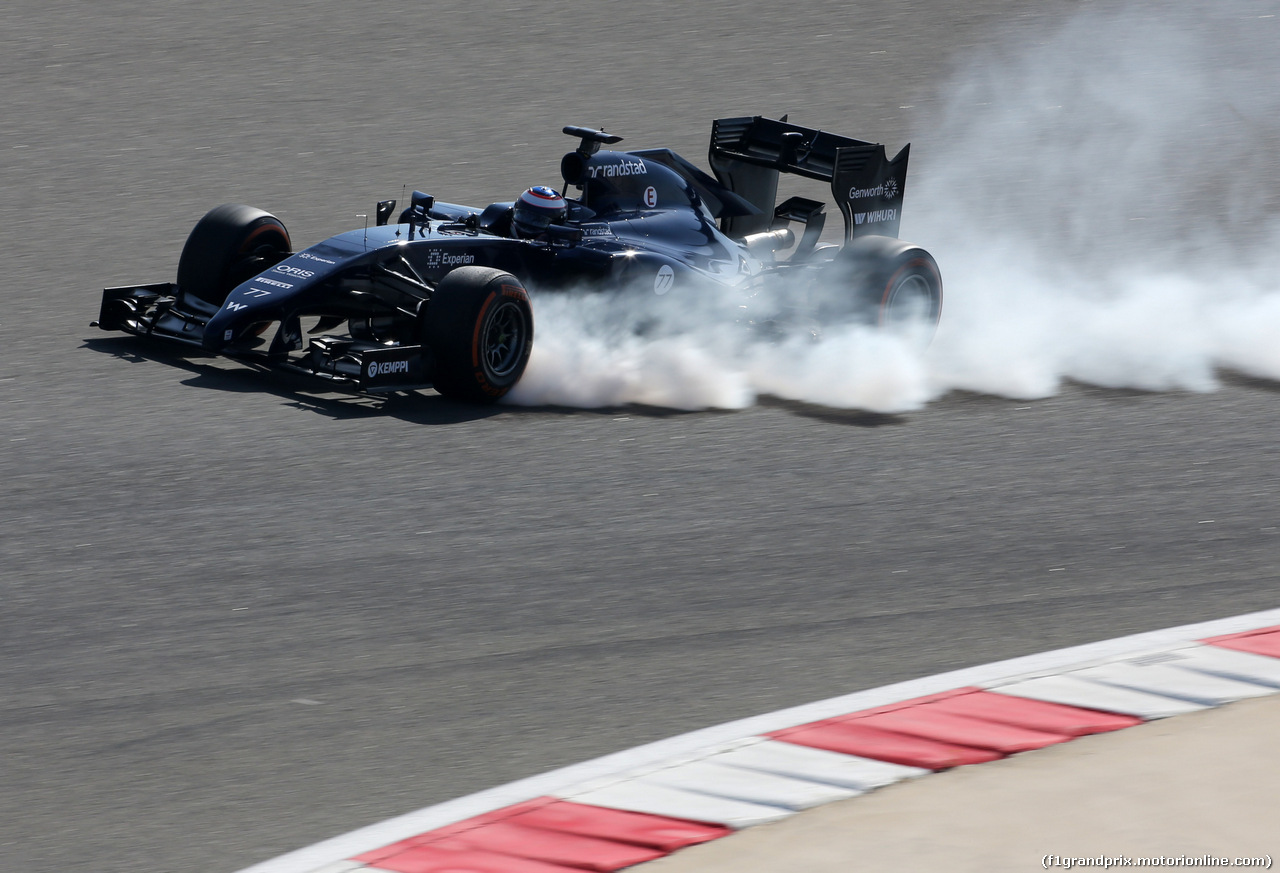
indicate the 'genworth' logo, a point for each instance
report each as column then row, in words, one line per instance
column 888, row 189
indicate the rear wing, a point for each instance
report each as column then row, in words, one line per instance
column 748, row 154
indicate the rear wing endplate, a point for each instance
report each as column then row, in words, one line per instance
column 748, row 153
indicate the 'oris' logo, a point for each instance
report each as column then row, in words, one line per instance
column 387, row 368
column 294, row 271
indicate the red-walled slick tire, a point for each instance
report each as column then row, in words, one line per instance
column 479, row 327
column 230, row 245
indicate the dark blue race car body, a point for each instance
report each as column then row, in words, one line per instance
column 440, row 296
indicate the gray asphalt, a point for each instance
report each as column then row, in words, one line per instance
column 241, row 616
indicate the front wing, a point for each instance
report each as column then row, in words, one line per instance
column 151, row 311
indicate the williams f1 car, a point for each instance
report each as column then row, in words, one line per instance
column 440, row 297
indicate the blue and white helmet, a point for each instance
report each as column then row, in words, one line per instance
column 536, row 209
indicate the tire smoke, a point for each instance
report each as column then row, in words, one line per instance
column 1103, row 206
column 1102, row 201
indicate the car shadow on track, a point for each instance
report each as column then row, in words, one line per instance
column 302, row 392
column 832, row 415
column 1242, row 380
column 221, row 374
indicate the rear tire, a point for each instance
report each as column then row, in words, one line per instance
column 896, row 285
column 479, row 325
column 230, row 245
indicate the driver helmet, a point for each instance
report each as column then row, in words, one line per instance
column 536, row 209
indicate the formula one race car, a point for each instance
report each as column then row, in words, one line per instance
column 439, row 298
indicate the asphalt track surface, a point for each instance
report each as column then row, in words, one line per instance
column 241, row 616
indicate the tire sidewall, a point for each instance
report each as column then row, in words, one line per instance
column 466, row 306
column 916, row 264
column 509, row 300
column 879, row 269
column 219, row 253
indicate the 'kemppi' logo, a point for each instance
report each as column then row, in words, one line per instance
column 387, row 368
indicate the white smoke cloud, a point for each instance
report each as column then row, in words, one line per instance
column 1101, row 204
column 590, row 351
column 702, row 352
column 1100, row 200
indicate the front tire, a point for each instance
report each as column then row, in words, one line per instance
column 230, row 245
column 479, row 325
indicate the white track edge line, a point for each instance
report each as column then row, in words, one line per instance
column 374, row 836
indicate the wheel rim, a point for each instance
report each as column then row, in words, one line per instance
column 505, row 337
column 266, row 252
column 910, row 303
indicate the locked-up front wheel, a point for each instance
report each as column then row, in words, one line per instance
column 479, row 327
